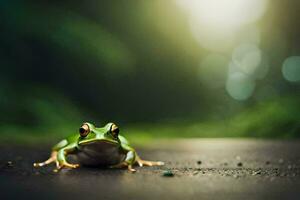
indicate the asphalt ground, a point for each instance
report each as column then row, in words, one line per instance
column 194, row 169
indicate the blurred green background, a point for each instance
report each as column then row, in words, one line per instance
column 158, row 69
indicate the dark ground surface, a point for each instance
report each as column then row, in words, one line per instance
column 203, row 169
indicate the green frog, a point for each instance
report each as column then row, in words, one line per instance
column 96, row 147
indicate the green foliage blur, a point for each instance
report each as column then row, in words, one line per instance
column 134, row 63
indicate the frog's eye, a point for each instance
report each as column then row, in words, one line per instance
column 84, row 130
column 114, row 130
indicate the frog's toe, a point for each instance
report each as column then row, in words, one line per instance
column 48, row 161
column 73, row 166
column 55, row 170
column 41, row 164
column 66, row 165
column 149, row 163
column 38, row 164
column 160, row 163
column 131, row 169
column 140, row 164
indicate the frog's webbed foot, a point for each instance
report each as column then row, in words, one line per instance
column 124, row 164
column 50, row 160
column 65, row 165
column 59, row 165
column 149, row 163
column 131, row 169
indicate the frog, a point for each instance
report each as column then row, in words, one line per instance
column 96, row 147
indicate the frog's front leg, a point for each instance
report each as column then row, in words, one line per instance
column 61, row 161
column 128, row 162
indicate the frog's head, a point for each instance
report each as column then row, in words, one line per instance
column 89, row 134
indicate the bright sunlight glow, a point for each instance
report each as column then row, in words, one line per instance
column 225, row 13
column 215, row 23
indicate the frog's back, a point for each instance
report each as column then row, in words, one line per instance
column 65, row 142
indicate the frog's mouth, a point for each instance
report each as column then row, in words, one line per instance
column 95, row 141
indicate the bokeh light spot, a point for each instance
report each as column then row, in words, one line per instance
column 225, row 13
column 291, row 69
column 247, row 58
column 211, row 38
column 215, row 24
column 240, row 86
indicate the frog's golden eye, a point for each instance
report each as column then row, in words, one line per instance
column 84, row 130
column 114, row 130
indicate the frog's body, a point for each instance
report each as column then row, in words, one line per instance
column 100, row 154
column 96, row 147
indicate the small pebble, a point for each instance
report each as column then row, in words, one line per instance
column 195, row 172
column 256, row 173
column 239, row 164
column 238, row 157
column 9, row 163
column 168, row 173
column 199, row 162
column 290, row 167
column 268, row 162
column 225, row 164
